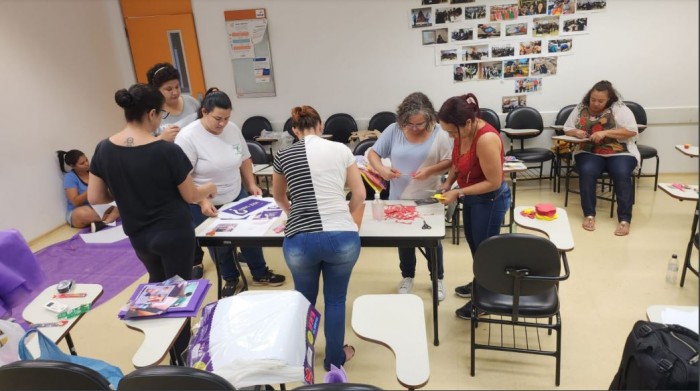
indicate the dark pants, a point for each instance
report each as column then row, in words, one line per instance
column 590, row 167
column 407, row 261
column 483, row 215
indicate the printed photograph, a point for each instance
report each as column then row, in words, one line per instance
column 559, row 45
column 421, row 17
column 561, row 7
column 485, row 31
column 527, row 85
column 590, row 5
column 462, row 34
column 476, row 12
column 573, row 26
column 516, row 68
column 516, row 29
column 509, row 103
column 449, row 15
column 504, row 12
column 532, row 7
column 461, row 1
column 544, row 66
column 490, row 70
column 475, row 52
column 447, row 56
column 502, row 50
column 436, row 36
column 545, row 26
column 466, row 72
column 530, row 47
column 429, row 2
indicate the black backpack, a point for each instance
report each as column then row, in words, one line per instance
column 658, row 357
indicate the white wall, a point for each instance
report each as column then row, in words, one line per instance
column 61, row 63
column 62, row 60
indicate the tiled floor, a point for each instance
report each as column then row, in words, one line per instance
column 613, row 281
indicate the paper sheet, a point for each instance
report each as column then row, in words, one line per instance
column 687, row 319
column 106, row 235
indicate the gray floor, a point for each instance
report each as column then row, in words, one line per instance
column 613, row 281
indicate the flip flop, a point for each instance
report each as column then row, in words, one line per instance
column 349, row 352
column 589, row 223
column 623, row 229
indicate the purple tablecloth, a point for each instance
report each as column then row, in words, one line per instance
column 19, row 271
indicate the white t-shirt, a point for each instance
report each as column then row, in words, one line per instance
column 215, row 158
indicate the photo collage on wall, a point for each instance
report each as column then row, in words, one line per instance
column 518, row 40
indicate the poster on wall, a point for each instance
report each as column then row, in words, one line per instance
column 449, row 15
column 590, row 5
column 530, row 47
column 421, row 17
column 574, row 26
column 561, row 7
column 527, row 85
column 545, row 26
column 544, row 66
column 475, row 12
column 461, row 34
column 560, row 46
column 510, row 103
column 532, row 7
column 488, row 31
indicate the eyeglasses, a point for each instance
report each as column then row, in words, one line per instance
column 163, row 114
column 421, row 125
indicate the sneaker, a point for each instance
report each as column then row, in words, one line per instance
column 197, row 271
column 406, row 285
column 96, row 226
column 229, row 288
column 269, row 278
column 465, row 312
column 464, row 290
column 441, row 290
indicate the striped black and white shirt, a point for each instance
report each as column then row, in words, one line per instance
column 316, row 171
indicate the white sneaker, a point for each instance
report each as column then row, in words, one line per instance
column 441, row 290
column 406, row 285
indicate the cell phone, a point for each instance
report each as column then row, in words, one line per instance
column 64, row 286
column 55, row 306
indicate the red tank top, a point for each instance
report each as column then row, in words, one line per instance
column 467, row 166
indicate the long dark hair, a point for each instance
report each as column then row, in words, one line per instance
column 603, row 85
column 70, row 158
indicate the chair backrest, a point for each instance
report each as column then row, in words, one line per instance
column 640, row 115
column 164, row 378
column 50, row 375
column 337, row 387
column 257, row 152
column 525, row 117
column 522, row 251
column 288, row 128
column 491, row 117
column 381, row 120
column 340, row 126
column 363, row 146
column 562, row 116
column 253, row 126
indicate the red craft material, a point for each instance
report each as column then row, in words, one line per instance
column 404, row 214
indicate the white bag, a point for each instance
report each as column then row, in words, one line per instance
column 10, row 335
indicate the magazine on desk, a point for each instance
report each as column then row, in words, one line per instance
column 171, row 298
column 248, row 217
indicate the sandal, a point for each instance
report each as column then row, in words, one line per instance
column 349, row 352
column 622, row 229
column 589, row 223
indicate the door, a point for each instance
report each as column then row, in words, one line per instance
column 167, row 38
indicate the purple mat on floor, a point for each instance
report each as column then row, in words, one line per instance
column 112, row 265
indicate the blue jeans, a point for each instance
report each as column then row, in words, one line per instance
column 334, row 254
column 407, row 261
column 253, row 255
column 590, row 167
column 483, row 215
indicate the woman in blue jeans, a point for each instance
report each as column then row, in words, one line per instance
column 477, row 167
column 321, row 234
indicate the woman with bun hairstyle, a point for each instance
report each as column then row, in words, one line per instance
column 181, row 109
column 477, row 167
column 79, row 213
column 321, row 234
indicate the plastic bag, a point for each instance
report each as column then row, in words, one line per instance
column 10, row 335
column 50, row 351
column 256, row 338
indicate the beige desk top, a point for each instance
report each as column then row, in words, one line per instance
column 691, row 151
column 558, row 230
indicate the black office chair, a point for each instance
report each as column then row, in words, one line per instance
column 566, row 155
column 362, row 147
column 340, row 126
column 516, row 283
column 288, row 129
column 645, row 151
column 258, row 156
column 337, row 387
column 167, row 378
column 381, row 120
column 529, row 118
column 491, row 117
column 50, row 375
column 253, row 126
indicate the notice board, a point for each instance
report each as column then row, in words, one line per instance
column 249, row 46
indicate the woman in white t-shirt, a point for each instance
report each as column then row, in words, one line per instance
column 321, row 235
column 219, row 154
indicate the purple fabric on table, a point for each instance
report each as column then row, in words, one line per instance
column 20, row 273
column 115, row 266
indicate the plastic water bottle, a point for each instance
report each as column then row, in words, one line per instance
column 377, row 208
column 672, row 270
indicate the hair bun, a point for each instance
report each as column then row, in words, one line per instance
column 123, row 98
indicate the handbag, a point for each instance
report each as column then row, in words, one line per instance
column 50, row 351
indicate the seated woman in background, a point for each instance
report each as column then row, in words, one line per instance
column 79, row 213
column 181, row 109
column 611, row 128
